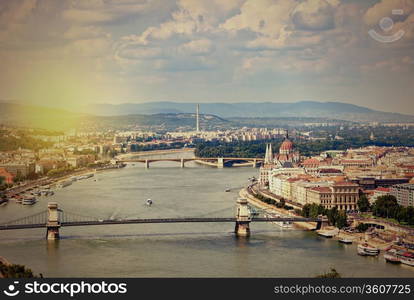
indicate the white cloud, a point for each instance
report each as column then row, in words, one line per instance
column 197, row 47
column 267, row 17
column 314, row 15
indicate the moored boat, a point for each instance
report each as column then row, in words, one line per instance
column 392, row 256
column 407, row 258
column 365, row 249
column 345, row 241
column 63, row 184
column 326, row 234
column 29, row 200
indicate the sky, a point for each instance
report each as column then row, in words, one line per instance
column 75, row 52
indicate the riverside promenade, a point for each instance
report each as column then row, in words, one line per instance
column 251, row 199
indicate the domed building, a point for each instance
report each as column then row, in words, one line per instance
column 287, row 157
column 287, row 152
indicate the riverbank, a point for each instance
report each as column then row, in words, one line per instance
column 251, row 199
column 356, row 237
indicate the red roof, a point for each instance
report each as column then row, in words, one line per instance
column 311, row 161
column 383, row 189
column 286, row 145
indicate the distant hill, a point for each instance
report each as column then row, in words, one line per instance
column 58, row 119
column 312, row 109
column 165, row 121
column 38, row 116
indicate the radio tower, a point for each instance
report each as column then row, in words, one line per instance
column 198, row 118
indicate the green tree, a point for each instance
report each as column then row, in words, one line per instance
column 362, row 227
column 306, row 210
column 331, row 274
column 363, row 204
column 332, row 215
column 15, row 271
column 385, row 206
column 341, row 220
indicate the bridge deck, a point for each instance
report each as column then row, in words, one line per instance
column 154, row 221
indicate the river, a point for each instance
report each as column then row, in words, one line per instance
column 174, row 250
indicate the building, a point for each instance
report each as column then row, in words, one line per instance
column 287, row 152
column 287, row 158
column 378, row 192
column 370, row 183
column 78, row 161
column 45, row 165
column 343, row 195
column 21, row 169
column 8, row 177
column 404, row 194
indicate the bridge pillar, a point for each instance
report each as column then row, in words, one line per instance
column 146, row 164
column 322, row 222
column 182, row 163
column 254, row 163
column 220, row 163
column 53, row 223
column 243, row 218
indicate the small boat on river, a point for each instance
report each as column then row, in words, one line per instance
column 391, row 256
column 365, row 249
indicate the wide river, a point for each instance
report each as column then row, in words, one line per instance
column 174, row 250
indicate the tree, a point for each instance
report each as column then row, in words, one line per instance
column 341, row 220
column 2, row 180
column 363, row 204
column 385, row 206
column 15, row 271
column 362, row 227
column 306, row 210
column 332, row 274
column 332, row 215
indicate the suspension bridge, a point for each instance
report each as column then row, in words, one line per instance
column 53, row 218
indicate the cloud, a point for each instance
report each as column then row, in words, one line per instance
column 100, row 11
column 197, row 47
column 267, row 17
column 314, row 15
column 191, row 17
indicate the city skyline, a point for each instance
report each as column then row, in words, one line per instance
column 72, row 53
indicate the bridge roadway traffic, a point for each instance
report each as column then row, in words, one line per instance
column 152, row 221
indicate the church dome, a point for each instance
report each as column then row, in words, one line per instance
column 287, row 145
